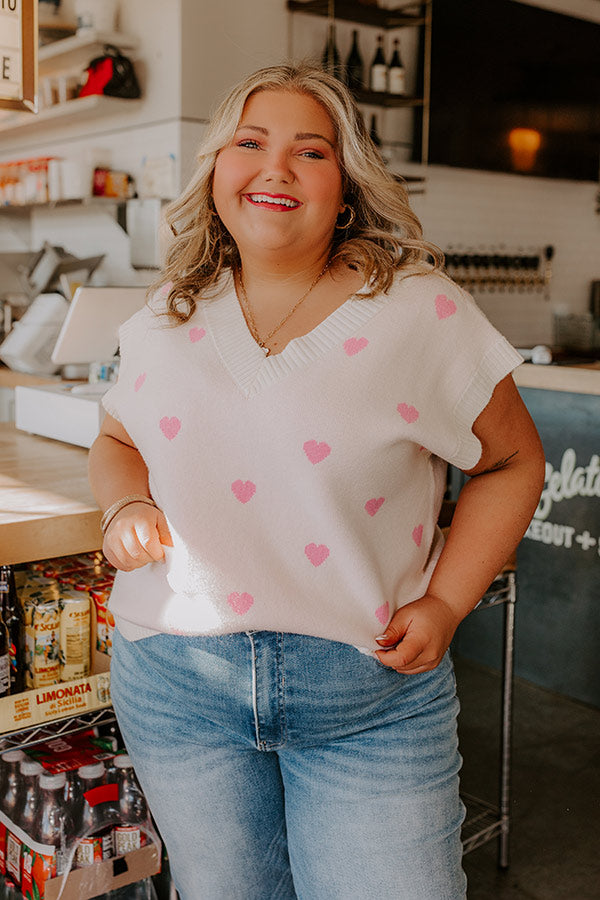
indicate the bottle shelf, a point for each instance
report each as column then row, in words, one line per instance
column 36, row 733
column 389, row 101
column 24, row 208
column 60, row 51
column 363, row 14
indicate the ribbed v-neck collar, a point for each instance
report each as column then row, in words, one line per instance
column 246, row 361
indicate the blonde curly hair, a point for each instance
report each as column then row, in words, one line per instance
column 384, row 237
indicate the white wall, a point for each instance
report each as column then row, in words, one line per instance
column 476, row 211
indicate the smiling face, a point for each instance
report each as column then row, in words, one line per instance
column 278, row 186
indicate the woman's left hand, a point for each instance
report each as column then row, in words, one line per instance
column 418, row 636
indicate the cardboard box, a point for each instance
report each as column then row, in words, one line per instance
column 59, row 701
column 102, row 877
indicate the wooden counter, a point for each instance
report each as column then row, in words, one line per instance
column 46, row 504
column 10, row 379
column 583, row 379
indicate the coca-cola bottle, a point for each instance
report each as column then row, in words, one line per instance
column 129, row 834
column 96, row 844
column 72, row 794
column 11, row 761
column 54, row 829
column 25, row 815
column 26, row 809
column 55, row 826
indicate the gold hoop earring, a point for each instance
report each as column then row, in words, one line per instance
column 351, row 218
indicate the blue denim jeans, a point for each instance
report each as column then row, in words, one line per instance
column 287, row 767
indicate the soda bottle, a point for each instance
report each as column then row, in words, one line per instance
column 11, row 761
column 13, row 619
column 27, row 799
column 4, row 767
column 54, row 829
column 72, row 794
column 97, row 842
column 55, row 826
column 133, row 809
column 24, row 816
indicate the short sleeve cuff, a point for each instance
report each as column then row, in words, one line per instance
column 499, row 361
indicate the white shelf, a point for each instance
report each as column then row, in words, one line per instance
column 26, row 208
column 82, row 107
column 88, row 39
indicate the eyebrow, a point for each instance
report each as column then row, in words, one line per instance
column 299, row 136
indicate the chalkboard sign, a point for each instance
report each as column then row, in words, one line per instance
column 558, row 560
column 18, row 54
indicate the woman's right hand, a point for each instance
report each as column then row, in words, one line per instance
column 136, row 536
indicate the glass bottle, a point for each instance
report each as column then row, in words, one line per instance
column 25, row 814
column 330, row 61
column 72, row 794
column 378, row 73
column 54, row 824
column 90, row 819
column 355, row 74
column 26, row 809
column 396, row 72
column 13, row 619
column 11, row 780
column 4, row 657
column 374, row 134
column 133, row 809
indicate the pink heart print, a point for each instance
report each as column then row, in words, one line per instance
column 316, row 452
column 316, row 553
column 417, row 535
column 409, row 413
column 170, row 427
column 383, row 613
column 354, row 345
column 196, row 334
column 374, row 505
column 139, row 382
column 444, row 306
column 243, row 490
column 240, row 603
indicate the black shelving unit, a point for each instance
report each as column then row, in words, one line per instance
column 408, row 15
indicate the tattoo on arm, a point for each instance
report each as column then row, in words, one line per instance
column 499, row 464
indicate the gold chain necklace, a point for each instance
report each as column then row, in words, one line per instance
column 250, row 315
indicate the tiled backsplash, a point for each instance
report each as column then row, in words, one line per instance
column 476, row 211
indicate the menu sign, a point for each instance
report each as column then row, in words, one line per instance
column 18, row 54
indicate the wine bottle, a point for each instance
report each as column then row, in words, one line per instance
column 13, row 619
column 396, row 72
column 4, row 657
column 374, row 134
column 354, row 66
column 330, row 61
column 378, row 76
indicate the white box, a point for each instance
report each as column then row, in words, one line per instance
column 54, row 411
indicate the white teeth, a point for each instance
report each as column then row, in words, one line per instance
column 275, row 201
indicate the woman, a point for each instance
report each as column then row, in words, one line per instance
column 272, row 466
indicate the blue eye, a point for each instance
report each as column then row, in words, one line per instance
column 312, row 154
column 248, row 142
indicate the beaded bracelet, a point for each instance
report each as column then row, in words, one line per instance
column 118, row 505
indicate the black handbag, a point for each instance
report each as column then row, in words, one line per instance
column 111, row 74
